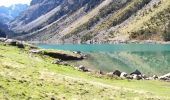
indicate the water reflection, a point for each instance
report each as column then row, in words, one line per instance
column 148, row 58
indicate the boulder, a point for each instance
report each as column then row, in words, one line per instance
column 165, row 77
column 77, row 52
column 155, row 77
column 63, row 55
column 52, row 98
column 11, row 42
column 100, row 72
column 144, row 76
column 137, row 72
column 110, row 74
column 64, row 63
column 59, row 62
column 20, row 45
column 3, row 39
column 129, row 77
column 35, row 51
column 123, row 75
column 149, row 78
column 82, row 68
column 137, row 77
column 117, row 73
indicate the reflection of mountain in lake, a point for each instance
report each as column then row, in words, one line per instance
column 147, row 62
column 150, row 59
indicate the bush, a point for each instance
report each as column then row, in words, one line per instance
column 166, row 35
column 142, row 34
column 86, row 37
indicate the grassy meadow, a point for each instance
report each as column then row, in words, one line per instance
column 27, row 76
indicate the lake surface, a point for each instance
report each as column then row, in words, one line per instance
column 148, row 58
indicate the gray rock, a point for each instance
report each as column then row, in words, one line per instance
column 110, row 74
column 117, row 73
column 129, row 77
column 165, row 77
column 3, row 39
column 137, row 77
column 144, row 76
column 137, row 72
column 20, row 45
column 11, row 42
column 123, row 75
column 155, row 77
column 83, row 68
column 100, row 72
column 35, row 51
column 77, row 52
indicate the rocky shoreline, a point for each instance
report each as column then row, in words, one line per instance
column 108, row 42
column 136, row 75
column 63, row 57
column 128, row 42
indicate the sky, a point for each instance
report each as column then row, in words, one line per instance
column 8, row 3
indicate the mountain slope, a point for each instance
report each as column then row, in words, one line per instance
column 55, row 10
column 98, row 21
column 9, row 13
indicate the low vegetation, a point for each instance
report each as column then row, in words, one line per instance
column 104, row 12
column 25, row 75
column 166, row 35
column 113, row 14
column 150, row 23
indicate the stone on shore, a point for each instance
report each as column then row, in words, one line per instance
column 36, row 51
column 165, row 77
column 137, row 72
column 123, row 75
column 82, row 68
column 3, row 39
column 13, row 42
column 117, row 73
column 137, row 77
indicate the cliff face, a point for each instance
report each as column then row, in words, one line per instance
column 93, row 21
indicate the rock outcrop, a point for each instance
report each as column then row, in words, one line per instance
column 62, row 56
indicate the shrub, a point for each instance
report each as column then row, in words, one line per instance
column 166, row 35
column 86, row 37
column 143, row 34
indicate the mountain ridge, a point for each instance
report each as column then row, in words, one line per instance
column 8, row 14
column 97, row 21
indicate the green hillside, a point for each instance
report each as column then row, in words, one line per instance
column 149, row 23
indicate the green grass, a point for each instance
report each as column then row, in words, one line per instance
column 30, row 76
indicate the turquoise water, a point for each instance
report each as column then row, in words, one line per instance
column 148, row 58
